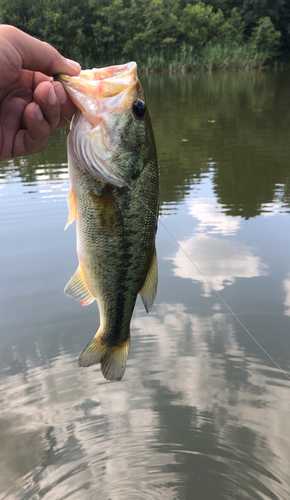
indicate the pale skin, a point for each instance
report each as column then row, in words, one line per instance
column 32, row 105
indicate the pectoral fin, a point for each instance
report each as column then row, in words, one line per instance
column 78, row 289
column 72, row 207
column 109, row 215
column 149, row 287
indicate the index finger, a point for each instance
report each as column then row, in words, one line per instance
column 37, row 55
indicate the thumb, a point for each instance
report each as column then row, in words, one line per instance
column 37, row 55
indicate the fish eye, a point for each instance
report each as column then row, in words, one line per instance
column 139, row 108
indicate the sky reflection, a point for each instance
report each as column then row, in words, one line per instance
column 76, row 427
column 220, row 260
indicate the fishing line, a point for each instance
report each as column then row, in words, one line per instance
column 203, row 276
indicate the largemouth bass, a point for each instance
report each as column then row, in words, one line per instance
column 113, row 197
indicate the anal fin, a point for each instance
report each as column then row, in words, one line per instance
column 149, row 288
column 78, row 289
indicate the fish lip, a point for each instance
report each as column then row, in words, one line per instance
column 117, row 71
column 103, row 82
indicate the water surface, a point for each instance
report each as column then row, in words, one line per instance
column 202, row 413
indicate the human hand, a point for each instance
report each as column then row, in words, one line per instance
column 32, row 105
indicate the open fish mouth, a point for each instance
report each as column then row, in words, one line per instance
column 98, row 90
column 116, row 79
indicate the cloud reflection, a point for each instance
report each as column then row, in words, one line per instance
column 210, row 217
column 86, row 438
column 81, row 432
column 221, row 261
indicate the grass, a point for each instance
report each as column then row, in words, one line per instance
column 209, row 57
column 185, row 59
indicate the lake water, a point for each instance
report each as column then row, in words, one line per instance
column 202, row 413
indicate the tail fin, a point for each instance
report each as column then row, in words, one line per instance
column 112, row 358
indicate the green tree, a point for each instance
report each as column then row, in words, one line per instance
column 157, row 33
column 277, row 10
column 265, row 40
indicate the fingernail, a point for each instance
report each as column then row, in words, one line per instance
column 60, row 93
column 38, row 114
column 51, row 98
column 74, row 64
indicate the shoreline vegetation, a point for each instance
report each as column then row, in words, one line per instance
column 160, row 35
column 210, row 57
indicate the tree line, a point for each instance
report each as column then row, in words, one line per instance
column 158, row 34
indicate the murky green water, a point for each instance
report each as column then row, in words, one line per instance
column 202, row 413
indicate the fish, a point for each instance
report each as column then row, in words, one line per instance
column 114, row 198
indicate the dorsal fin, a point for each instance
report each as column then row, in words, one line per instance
column 149, row 287
column 78, row 289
